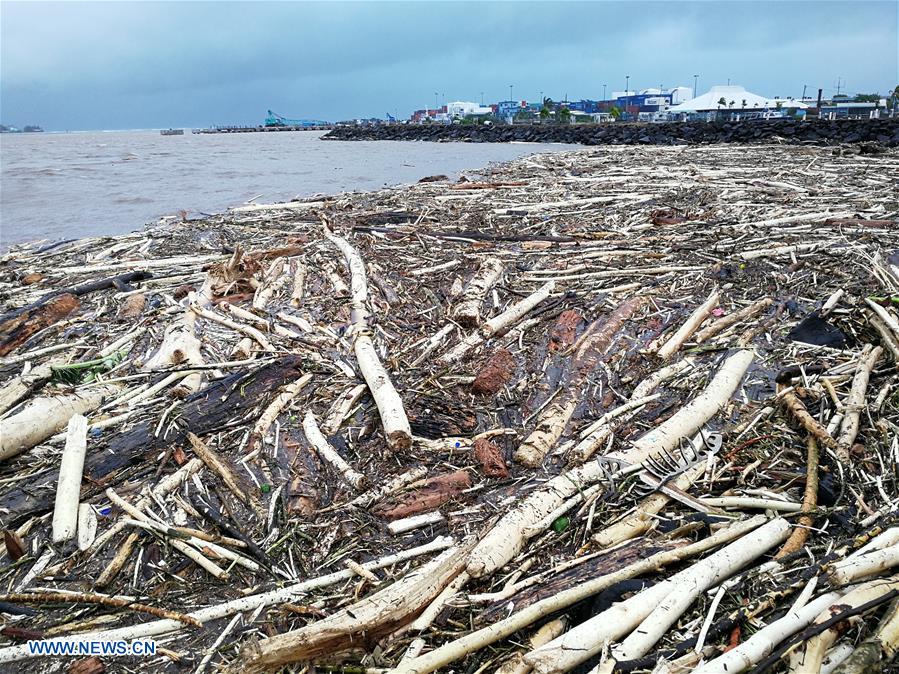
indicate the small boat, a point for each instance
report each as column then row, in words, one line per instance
column 172, row 132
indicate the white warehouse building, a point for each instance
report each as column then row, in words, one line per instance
column 458, row 109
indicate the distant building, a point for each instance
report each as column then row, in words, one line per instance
column 460, row 109
column 849, row 109
column 508, row 109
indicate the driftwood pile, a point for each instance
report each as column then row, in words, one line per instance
column 620, row 409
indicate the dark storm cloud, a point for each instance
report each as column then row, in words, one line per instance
column 118, row 65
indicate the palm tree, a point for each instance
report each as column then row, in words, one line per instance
column 721, row 101
column 565, row 116
column 744, row 103
column 546, row 109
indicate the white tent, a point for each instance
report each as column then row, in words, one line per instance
column 734, row 97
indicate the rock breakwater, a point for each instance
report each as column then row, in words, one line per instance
column 824, row 132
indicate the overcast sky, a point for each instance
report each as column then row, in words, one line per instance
column 80, row 65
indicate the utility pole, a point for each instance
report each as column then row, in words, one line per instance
column 482, row 99
column 436, row 103
column 541, row 98
column 839, row 81
column 695, row 83
column 627, row 94
column 820, row 92
column 804, row 87
column 603, row 92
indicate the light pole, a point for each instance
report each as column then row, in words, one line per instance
column 627, row 95
column 436, row 103
column 695, row 83
column 603, row 92
column 482, row 99
column 510, row 92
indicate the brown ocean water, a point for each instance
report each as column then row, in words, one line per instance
column 68, row 185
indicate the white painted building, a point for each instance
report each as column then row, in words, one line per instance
column 459, row 109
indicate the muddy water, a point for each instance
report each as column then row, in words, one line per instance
column 68, row 185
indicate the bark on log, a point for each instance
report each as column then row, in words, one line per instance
column 17, row 328
column 589, row 351
column 424, row 496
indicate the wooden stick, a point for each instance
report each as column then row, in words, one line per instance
column 390, row 405
column 178, row 544
column 650, row 613
column 732, row 319
column 468, row 310
column 274, row 409
column 454, row 650
column 809, row 503
column 691, row 325
column 795, row 407
column 118, row 561
column 248, row 330
column 500, row 322
column 876, row 561
column 84, row 598
column 855, row 403
column 329, row 455
column 68, row 488
column 215, row 464
column 815, row 648
column 763, row 642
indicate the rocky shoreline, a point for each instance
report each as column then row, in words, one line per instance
column 824, row 132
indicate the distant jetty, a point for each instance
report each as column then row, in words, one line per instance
column 262, row 129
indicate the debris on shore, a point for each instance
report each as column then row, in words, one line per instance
column 617, row 409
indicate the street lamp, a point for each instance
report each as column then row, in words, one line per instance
column 695, row 82
column 510, row 93
column 604, row 92
column 436, row 103
column 482, row 99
